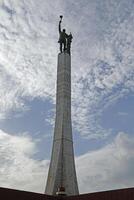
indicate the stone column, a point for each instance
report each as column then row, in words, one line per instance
column 62, row 167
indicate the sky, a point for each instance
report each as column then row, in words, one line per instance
column 102, row 91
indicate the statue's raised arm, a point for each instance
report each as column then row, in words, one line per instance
column 60, row 24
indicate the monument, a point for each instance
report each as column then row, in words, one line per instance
column 62, row 175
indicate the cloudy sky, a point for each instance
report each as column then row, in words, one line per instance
column 102, row 91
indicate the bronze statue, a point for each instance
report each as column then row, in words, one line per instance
column 64, row 39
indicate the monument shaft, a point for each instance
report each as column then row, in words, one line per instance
column 62, row 167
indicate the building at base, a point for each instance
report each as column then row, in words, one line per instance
column 122, row 194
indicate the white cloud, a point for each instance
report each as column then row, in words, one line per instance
column 123, row 114
column 110, row 167
column 107, row 75
column 27, row 55
column 18, row 168
column 102, row 61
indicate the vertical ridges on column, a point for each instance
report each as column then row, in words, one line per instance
column 62, row 167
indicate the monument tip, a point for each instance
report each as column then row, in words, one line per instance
column 65, row 39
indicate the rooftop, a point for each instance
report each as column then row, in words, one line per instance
column 120, row 194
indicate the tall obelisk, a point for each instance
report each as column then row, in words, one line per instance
column 62, row 174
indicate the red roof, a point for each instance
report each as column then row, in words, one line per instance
column 121, row 194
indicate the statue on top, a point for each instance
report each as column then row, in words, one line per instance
column 64, row 39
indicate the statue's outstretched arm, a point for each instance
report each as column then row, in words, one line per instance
column 60, row 26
